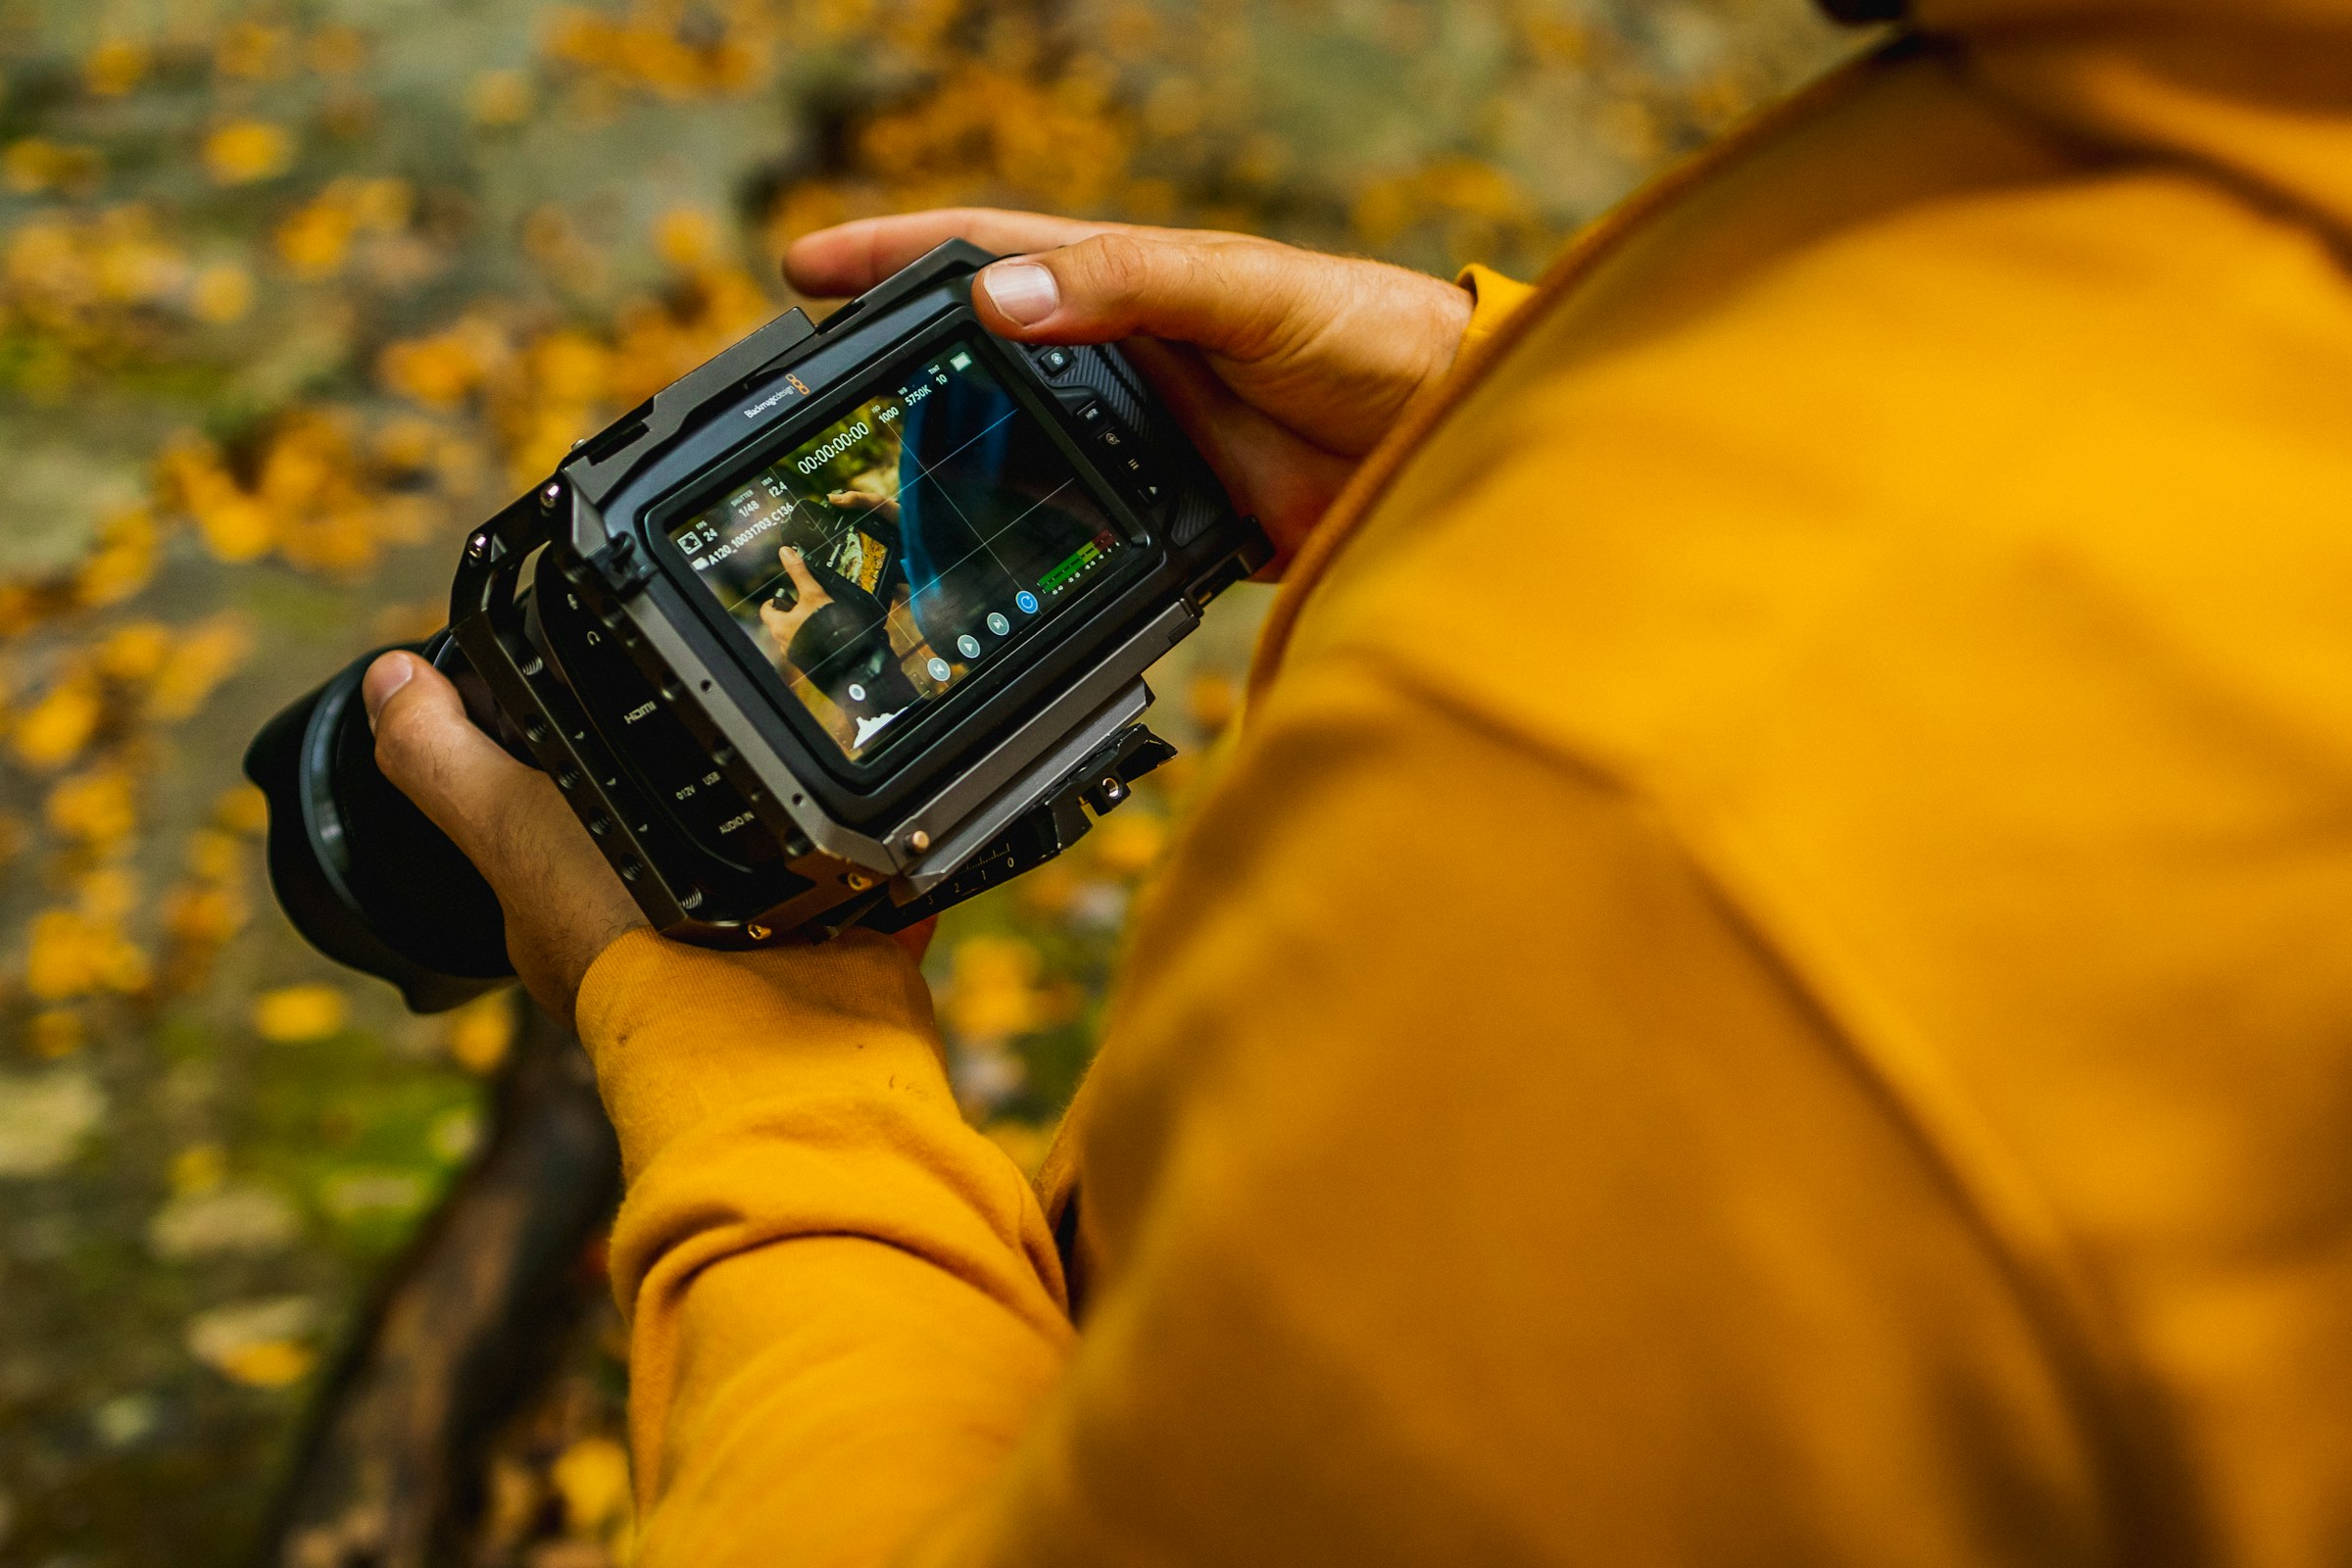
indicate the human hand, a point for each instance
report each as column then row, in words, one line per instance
column 563, row 903
column 808, row 598
column 882, row 507
column 1285, row 366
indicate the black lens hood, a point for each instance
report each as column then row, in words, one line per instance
column 364, row 876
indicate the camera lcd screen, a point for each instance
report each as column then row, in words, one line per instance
column 891, row 555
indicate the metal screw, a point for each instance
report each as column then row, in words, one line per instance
column 478, row 546
column 919, row 841
column 549, row 496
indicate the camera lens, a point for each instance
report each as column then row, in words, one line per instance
column 363, row 874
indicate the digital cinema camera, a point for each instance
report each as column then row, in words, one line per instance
column 839, row 630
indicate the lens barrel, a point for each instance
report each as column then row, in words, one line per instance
column 366, row 876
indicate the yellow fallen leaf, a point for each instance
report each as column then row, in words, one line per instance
column 441, row 370
column 338, row 51
column 254, row 51
column 593, row 1478
column 291, row 1014
column 203, row 917
column 123, row 563
column 55, row 1032
column 135, row 652
column 69, row 953
column 215, row 855
column 242, row 808
column 1128, row 842
column 992, row 988
column 53, row 731
column 270, row 1364
column 98, row 809
column 202, row 655
column 108, row 893
column 687, row 238
column 221, row 293
column 116, row 67
column 243, row 150
column 313, row 241
column 257, row 1342
column 61, row 959
column 198, row 1168
column 500, row 98
column 481, row 1031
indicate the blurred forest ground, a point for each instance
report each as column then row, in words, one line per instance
column 290, row 294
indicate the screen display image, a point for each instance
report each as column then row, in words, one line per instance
column 891, row 554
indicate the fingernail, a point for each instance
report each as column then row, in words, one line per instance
column 1022, row 290
column 385, row 676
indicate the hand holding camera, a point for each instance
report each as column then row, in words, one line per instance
column 1284, row 366
column 790, row 610
column 1020, row 529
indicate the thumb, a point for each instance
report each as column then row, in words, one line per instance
column 426, row 746
column 804, row 581
column 1243, row 299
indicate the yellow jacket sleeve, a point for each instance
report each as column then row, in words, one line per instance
column 1493, row 297
column 842, row 1301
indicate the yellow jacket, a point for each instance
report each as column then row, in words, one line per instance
column 1770, row 979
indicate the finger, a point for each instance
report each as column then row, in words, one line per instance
column 851, row 258
column 798, row 570
column 426, row 746
column 563, row 904
column 1242, row 299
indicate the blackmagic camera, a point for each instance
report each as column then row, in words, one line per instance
column 839, row 630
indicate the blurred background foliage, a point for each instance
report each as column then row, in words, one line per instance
column 290, row 294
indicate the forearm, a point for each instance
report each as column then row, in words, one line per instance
column 842, row 1301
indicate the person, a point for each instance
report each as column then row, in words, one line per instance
column 1804, row 1021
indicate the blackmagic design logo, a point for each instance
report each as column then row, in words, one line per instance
column 792, row 384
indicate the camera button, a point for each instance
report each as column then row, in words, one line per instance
column 1054, row 361
column 1092, row 415
column 1111, row 440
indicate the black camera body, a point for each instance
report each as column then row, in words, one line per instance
column 841, row 629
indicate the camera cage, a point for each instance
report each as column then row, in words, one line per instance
column 1007, row 769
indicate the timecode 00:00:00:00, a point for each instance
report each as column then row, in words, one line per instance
column 819, row 456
